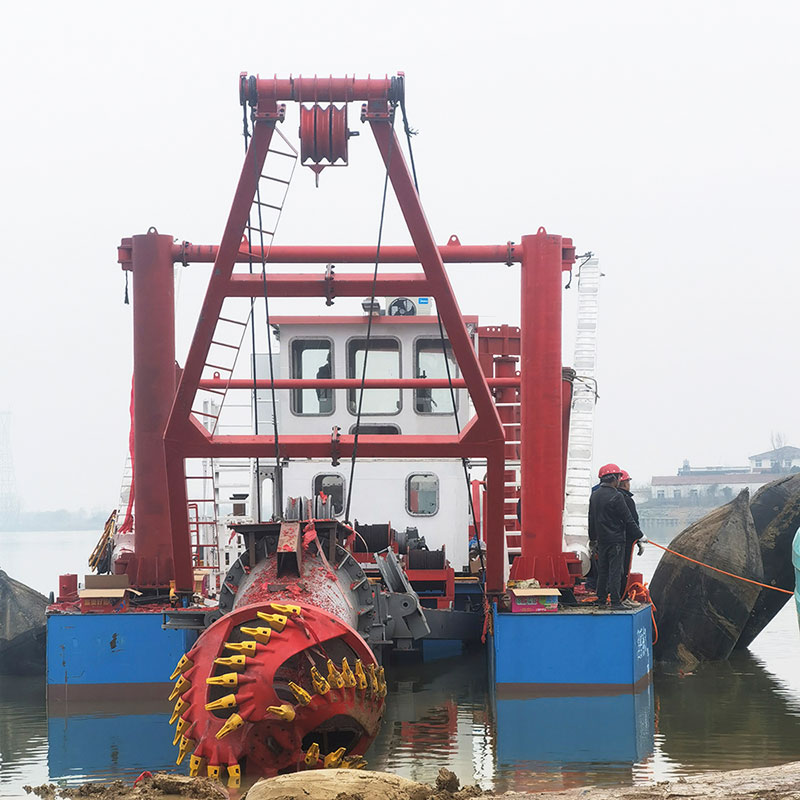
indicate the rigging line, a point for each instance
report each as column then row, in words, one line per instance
column 257, row 515
column 722, row 571
column 409, row 133
column 369, row 322
column 278, row 483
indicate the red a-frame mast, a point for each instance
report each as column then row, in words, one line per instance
column 167, row 432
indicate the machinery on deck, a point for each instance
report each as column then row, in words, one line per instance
column 286, row 672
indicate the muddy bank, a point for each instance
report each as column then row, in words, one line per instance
column 767, row 783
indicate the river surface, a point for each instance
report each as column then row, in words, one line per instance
column 737, row 714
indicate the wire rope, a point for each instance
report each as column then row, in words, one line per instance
column 369, row 320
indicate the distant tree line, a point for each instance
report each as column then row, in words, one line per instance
column 59, row 520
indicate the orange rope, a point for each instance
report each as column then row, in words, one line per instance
column 729, row 574
column 639, row 592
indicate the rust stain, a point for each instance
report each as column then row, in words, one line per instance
column 113, row 642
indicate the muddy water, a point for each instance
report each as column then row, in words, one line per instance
column 741, row 713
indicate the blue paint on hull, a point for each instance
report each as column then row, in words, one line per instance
column 124, row 648
column 573, row 648
column 547, row 730
column 108, row 746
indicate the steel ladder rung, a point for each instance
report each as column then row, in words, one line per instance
column 252, row 228
column 277, row 180
column 205, row 414
column 281, row 153
column 233, row 321
column 268, row 205
column 225, row 344
column 217, row 366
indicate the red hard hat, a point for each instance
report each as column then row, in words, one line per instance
column 624, row 476
column 609, row 469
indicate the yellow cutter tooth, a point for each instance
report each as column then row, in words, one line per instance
column 284, row 712
column 312, row 755
column 181, row 667
column 334, row 676
column 259, row 634
column 235, row 662
column 183, row 726
column 321, row 686
column 248, row 648
column 373, row 679
column 361, row 678
column 180, row 687
column 195, row 765
column 332, row 760
column 229, row 701
column 213, row 771
column 178, row 710
column 234, row 776
column 347, row 674
column 287, row 611
column 276, row 621
column 303, row 697
column 185, row 746
column 382, row 682
column 233, row 722
column 354, row 762
column 228, row 679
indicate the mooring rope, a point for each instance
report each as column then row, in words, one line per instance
column 722, row 571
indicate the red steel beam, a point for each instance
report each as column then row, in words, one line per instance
column 317, row 89
column 369, row 446
column 154, row 387
column 180, row 417
column 488, row 427
column 187, row 253
column 541, row 412
column 317, row 286
column 351, row 383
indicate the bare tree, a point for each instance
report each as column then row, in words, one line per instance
column 778, row 439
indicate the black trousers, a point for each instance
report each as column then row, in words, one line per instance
column 609, row 571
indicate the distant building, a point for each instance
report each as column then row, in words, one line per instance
column 714, row 485
column 784, row 459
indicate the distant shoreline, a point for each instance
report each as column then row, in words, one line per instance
column 51, row 521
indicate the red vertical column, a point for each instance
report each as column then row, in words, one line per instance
column 541, row 411
column 568, row 375
column 154, row 392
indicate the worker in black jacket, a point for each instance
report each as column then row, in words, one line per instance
column 609, row 521
column 631, row 539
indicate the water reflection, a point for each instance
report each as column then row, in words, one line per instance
column 727, row 715
column 441, row 714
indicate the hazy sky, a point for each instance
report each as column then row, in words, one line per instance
column 661, row 136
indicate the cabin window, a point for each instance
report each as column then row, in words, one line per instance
column 422, row 494
column 239, row 509
column 660, row 494
column 693, row 492
column 375, row 429
column 676, row 493
column 312, row 358
column 383, row 361
column 429, row 362
column 331, row 484
column 758, row 462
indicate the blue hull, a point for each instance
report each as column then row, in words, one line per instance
column 96, row 656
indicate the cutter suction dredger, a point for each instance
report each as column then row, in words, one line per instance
column 287, row 676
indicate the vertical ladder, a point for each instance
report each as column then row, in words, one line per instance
column 212, row 406
column 237, row 313
column 581, row 425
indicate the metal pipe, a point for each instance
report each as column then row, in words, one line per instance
column 541, row 409
column 315, row 446
column 154, row 388
column 187, row 253
column 353, row 383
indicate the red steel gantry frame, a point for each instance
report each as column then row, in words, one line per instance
column 167, row 432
